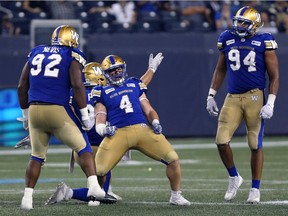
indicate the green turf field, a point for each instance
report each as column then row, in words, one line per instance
column 144, row 192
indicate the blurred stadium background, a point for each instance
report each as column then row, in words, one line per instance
column 179, row 89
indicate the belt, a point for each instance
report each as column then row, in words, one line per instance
column 40, row 103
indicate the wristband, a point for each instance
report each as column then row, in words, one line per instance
column 84, row 113
column 25, row 113
column 271, row 99
column 153, row 70
column 211, row 93
column 100, row 128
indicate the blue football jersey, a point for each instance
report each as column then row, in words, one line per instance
column 122, row 102
column 245, row 60
column 49, row 73
column 93, row 137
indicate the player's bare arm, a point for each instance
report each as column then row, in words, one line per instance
column 100, row 113
column 23, row 87
column 77, row 84
column 273, row 71
column 148, row 110
column 219, row 73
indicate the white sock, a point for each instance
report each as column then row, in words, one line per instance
column 69, row 193
column 28, row 192
column 92, row 180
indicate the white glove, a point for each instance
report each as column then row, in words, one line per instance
column 157, row 128
column 212, row 107
column 24, row 119
column 266, row 111
column 88, row 124
column 88, row 121
column 155, row 62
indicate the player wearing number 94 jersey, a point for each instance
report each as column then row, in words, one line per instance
column 245, row 56
column 44, row 86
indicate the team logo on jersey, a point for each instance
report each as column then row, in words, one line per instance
column 256, row 43
column 107, row 91
column 131, row 85
column 228, row 42
column 254, row 98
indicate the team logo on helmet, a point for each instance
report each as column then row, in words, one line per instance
column 65, row 35
column 93, row 75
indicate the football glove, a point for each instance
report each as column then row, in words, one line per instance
column 24, row 119
column 88, row 123
column 105, row 130
column 109, row 130
column 157, row 128
column 155, row 62
column 266, row 111
column 212, row 107
column 87, row 120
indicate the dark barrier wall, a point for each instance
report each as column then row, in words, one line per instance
column 180, row 86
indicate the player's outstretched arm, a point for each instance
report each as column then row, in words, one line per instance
column 153, row 64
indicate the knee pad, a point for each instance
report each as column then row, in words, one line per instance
column 223, row 135
column 253, row 141
column 172, row 156
column 101, row 170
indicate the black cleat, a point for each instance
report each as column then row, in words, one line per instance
column 108, row 199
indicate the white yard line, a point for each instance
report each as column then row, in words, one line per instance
column 176, row 146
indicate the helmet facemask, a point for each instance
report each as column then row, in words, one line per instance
column 247, row 22
column 116, row 75
column 114, row 70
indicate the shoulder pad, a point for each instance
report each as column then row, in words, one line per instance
column 79, row 56
column 133, row 79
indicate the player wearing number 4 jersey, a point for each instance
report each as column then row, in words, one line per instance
column 44, row 93
column 124, row 104
column 245, row 56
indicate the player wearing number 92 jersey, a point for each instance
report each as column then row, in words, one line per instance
column 245, row 60
column 44, row 94
column 49, row 73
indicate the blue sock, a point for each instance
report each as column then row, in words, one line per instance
column 80, row 194
column 232, row 171
column 107, row 182
column 255, row 183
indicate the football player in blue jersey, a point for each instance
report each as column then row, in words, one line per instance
column 245, row 56
column 124, row 104
column 93, row 76
column 44, row 93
